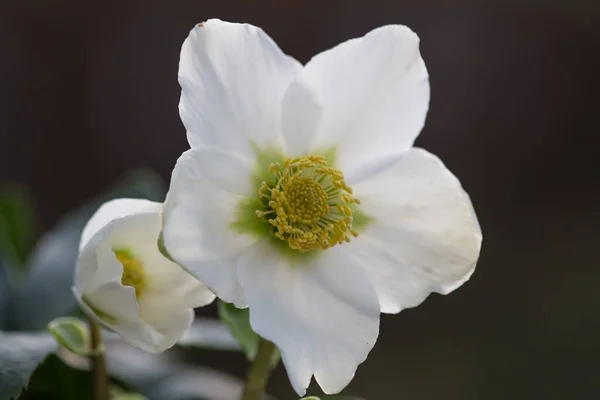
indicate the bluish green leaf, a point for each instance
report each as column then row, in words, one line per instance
column 72, row 334
column 46, row 293
column 209, row 333
column 160, row 377
column 128, row 396
column 139, row 184
column 119, row 394
column 340, row 397
column 20, row 354
column 5, row 296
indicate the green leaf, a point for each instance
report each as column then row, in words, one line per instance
column 17, row 227
column 238, row 322
column 20, row 354
column 72, row 334
column 52, row 264
column 209, row 333
column 54, row 380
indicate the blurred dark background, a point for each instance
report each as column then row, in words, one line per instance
column 88, row 90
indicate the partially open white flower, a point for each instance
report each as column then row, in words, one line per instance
column 303, row 198
column 124, row 281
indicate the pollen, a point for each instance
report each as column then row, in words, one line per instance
column 309, row 206
column 133, row 272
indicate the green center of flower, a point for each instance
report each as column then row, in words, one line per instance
column 309, row 205
column 133, row 271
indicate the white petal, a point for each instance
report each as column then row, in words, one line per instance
column 98, row 279
column 300, row 117
column 226, row 170
column 155, row 326
column 141, row 335
column 374, row 94
column 321, row 312
column 170, row 282
column 96, row 263
column 115, row 300
column 198, row 216
column 139, row 233
column 112, row 210
column 425, row 236
column 135, row 332
column 233, row 77
column 130, row 229
column 166, row 306
column 170, row 319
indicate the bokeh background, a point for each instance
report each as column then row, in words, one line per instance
column 88, row 91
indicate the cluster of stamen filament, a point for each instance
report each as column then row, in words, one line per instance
column 133, row 272
column 309, row 206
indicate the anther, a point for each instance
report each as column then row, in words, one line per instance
column 309, row 205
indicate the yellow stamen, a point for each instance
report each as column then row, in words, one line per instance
column 309, row 205
column 133, row 271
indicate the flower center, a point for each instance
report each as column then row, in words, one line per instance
column 133, row 271
column 309, row 205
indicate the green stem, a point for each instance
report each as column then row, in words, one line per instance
column 99, row 375
column 259, row 373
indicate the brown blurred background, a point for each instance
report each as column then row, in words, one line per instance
column 89, row 90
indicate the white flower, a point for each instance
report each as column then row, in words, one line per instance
column 315, row 250
column 124, row 281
